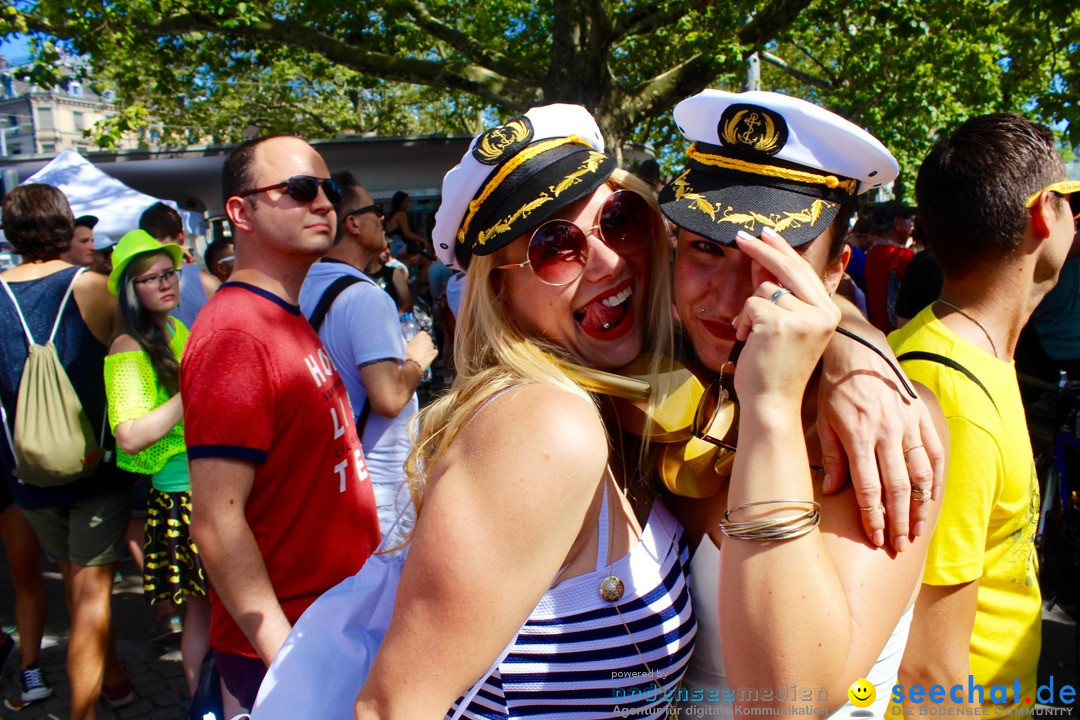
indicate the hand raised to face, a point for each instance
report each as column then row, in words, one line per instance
column 786, row 323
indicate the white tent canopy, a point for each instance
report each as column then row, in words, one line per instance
column 92, row 192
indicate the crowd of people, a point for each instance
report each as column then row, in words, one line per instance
column 571, row 548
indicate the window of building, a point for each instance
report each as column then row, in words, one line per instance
column 48, row 147
column 78, row 120
column 8, row 85
column 75, row 89
column 45, row 118
column 17, row 150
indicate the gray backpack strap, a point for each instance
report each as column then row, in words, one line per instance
column 60, row 313
column 64, row 302
column 30, row 341
column 26, row 328
column 7, row 429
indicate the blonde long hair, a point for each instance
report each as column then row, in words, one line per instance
column 492, row 354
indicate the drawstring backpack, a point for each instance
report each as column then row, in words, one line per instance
column 52, row 439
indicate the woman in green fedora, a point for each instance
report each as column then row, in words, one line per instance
column 142, row 381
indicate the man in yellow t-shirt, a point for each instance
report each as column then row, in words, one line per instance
column 994, row 207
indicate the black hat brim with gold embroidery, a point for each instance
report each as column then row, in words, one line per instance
column 516, row 176
column 537, row 189
column 763, row 159
column 716, row 203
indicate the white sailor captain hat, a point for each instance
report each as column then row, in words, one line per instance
column 514, row 177
column 762, row 159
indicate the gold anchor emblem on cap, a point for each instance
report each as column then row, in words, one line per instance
column 753, row 128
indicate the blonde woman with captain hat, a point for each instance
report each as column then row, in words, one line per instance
column 542, row 578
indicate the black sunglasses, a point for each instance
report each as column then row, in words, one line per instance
column 303, row 188
column 377, row 209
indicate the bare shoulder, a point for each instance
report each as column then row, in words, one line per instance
column 92, row 292
column 92, row 282
column 123, row 343
column 539, row 415
column 97, row 305
column 550, row 438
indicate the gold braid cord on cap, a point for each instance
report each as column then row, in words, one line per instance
column 590, row 165
column 508, row 167
column 750, row 219
column 829, row 181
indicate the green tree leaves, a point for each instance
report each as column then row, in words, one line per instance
column 215, row 70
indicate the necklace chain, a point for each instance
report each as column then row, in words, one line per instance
column 611, row 589
column 982, row 327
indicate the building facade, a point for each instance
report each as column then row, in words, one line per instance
column 45, row 121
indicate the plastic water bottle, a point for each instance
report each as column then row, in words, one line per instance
column 409, row 328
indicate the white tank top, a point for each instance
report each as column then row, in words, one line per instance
column 706, row 679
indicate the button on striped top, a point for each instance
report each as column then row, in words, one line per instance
column 580, row 656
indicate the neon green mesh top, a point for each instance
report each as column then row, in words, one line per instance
column 133, row 390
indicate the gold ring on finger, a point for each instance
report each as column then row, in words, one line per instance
column 916, row 447
column 872, row 508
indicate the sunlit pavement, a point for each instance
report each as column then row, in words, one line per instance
column 160, row 691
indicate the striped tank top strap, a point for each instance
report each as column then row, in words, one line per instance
column 603, row 528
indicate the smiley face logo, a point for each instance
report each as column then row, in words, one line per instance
column 862, row 693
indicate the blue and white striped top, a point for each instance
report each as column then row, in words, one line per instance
column 580, row 656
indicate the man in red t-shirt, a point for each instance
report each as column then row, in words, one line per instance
column 282, row 503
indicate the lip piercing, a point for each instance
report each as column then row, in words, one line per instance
column 607, row 326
